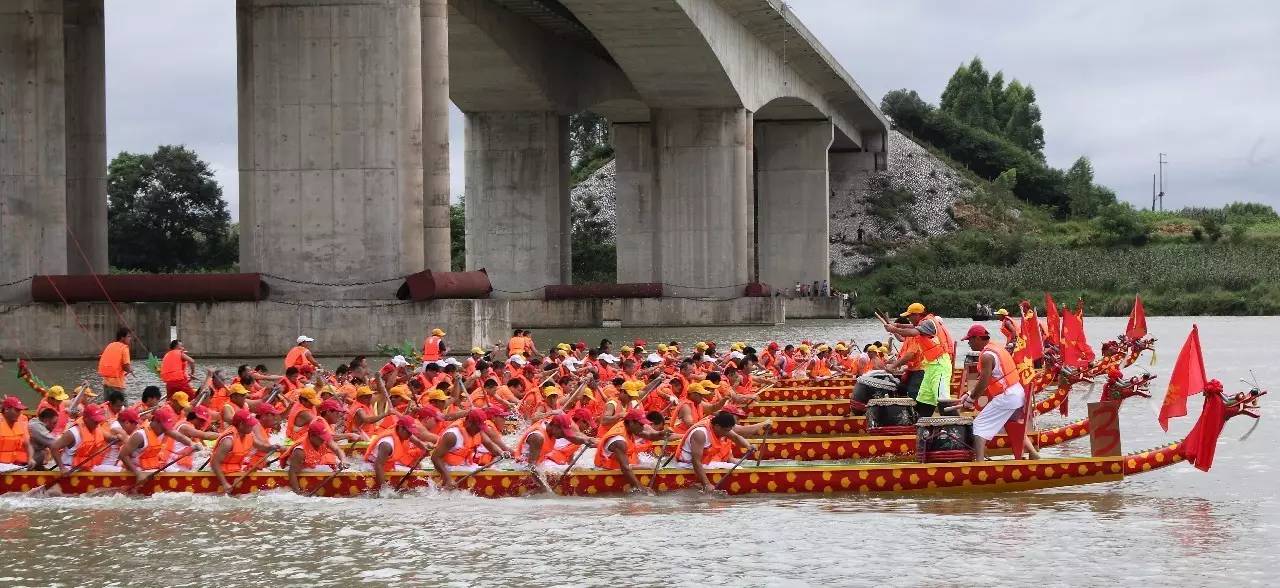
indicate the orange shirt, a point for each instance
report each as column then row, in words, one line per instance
column 111, row 364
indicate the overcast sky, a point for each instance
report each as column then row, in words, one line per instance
column 1117, row 81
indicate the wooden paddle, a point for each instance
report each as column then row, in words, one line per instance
column 478, row 470
column 73, row 470
column 763, row 443
column 266, row 459
column 409, row 474
column 565, row 476
column 541, row 482
column 162, row 468
column 734, row 468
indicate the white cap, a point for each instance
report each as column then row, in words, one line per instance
column 304, row 339
column 450, row 361
column 517, row 359
column 736, row 355
column 399, row 361
column 653, row 358
column 605, row 357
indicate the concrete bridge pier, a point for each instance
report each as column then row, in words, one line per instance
column 517, row 186
column 331, row 146
column 688, row 226
column 86, row 104
column 793, row 198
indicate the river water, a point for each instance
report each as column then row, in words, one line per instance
column 1177, row 526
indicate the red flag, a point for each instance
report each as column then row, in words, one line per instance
column 1030, row 332
column 1201, row 442
column 1026, row 350
column 1073, row 345
column 1187, row 379
column 1137, row 327
column 1053, row 324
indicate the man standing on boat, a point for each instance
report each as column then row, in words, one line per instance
column 300, row 357
column 998, row 379
column 934, row 343
column 114, row 365
column 177, row 369
column 433, row 349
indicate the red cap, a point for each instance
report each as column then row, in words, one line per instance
column 331, row 404
column 129, row 415
column 13, row 402
column 202, row 412
column 735, row 411
column 496, row 412
column 773, row 346
column 243, row 417
column 95, row 412
column 976, row 331
column 477, row 416
column 581, row 345
column 407, row 422
column 265, row 408
column 581, row 414
column 639, row 343
column 165, row 417
column 563, row 421
column 428, row 412
column 320, row 429
column 637, row 415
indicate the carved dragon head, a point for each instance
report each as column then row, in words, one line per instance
column 1119, row 388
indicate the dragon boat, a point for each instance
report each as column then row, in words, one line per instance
column 995, row 475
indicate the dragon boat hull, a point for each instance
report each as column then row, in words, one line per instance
column 990, row 476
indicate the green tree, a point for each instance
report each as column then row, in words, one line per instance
column 458, row 235
column 968, row 96
column 1119, row 224
column 1019, row 116
column 166, row 213
column 588, row 135
column 907, row 109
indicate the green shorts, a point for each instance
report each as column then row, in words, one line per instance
column 937, row 381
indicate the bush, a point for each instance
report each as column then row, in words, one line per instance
column 1119, row 224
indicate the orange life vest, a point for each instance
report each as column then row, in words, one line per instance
column 111, row 363
column 13, row 440
column 720, row 448
column 60, row 426
column 241, row 446
column 312, row 457
column 172, row 368
column 399, row 454
column 431, row 349
column 369, row 428
column 464, row 450
column 153, row 455
column 619, row 429
column 695, row 412
column 548, row 444
column 89, row 453
column 1008, row 370
column 297, row 357
column 936, row 346
column 290, row 429
column 515, row 346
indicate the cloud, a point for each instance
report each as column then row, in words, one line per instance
column 1117, row 81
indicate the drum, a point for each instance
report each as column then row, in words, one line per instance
column 891, row 416
column 873, row 384
column 944, row 439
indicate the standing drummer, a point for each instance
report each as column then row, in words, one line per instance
column 998, row 379
column 933, row 342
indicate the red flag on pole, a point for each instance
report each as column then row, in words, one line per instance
column 1075, row 352
column 1137, row 327
column 1187, row 379
column 1027, row 349
column 1053, row 323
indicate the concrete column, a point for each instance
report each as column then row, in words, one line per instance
column 435, row 134
column 794, row 200
column 517, row 190
column 702, row 174
column 637, row 204
column 33, row 175
column 331, row 157
column 86, row 98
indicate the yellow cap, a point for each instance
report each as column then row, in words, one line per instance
column 181, row 399
column 562, row 353
column 437, row 394
column 913, row 308
column 696, row 388
column 326, row 389
column 841, row 347
column 87, row 391
column 803, row 348
column 627, row 349
column 550, row 391
column 632, row 387
column 1002, row 312
column 662, row 348
column 308, row 394
column 57, row 393
column 238, row 388
column 563, row 346
column 823, row 347
column 400, row 391
column 437, row 332
column 477, row 351
column 364, row 391
column 588, row 393
column 700, row 346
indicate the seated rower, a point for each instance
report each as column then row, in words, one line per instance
column 151, row 396
column 268, row 417
column 85, row 442
column 234, row 445
column 316, row 450
column 331, row 414
column 709, row 441
column 14, row 434
column 195, row 426
column 998, row 379
column 696, row 404
column 361, row 416
column 302, row 414
column 547, row 439
column 458, row 443
column 618, row 450
column 144, row 447
column 390, row 450
column 41, row 438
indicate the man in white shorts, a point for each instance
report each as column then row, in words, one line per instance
column 998, row 379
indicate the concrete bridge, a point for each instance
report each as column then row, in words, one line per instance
column 729, row 120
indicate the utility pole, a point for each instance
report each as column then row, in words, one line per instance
column 1163, row 161
column 1153, row 192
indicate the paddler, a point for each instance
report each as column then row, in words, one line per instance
column 179, row 403
column 41, row 438
column 394, row 372
column 458, row 443
column 1007, row 329
column 300, row 357
column 14, row 434
column 316, row 450
column 237, row 400
column 935, row 346
column 433, row 348
column 234, row 445
column 114, row 364
column 618, row 449
column 361, row 416
column 332, row 413
column 998, row 379
column 144, row 447
column 709, row 441
column 390, row 450
column 697, row 403
column 177, row 369
column 302, row 413
column 84, row 443
column 196, row 425
column 55, row 398
column 546, row 439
